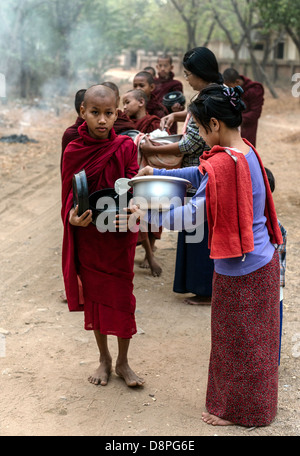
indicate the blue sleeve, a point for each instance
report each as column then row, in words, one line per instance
column 186, row 217
column 190, row 173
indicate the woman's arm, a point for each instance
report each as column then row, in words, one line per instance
column 167, row 121
column 187, row 217
column 147, row 148
column 190, row 173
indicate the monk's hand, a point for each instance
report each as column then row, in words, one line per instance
column 147, row 171
column 167, row 121
column 84, row 219
column 136, row 211
column 127, row 221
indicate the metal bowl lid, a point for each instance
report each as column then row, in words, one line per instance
column 80, row 192
column 170, row 179
column 173, row 97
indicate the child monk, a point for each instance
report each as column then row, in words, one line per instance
column 103, row 260
column 165, row 83
column 72, row 131
column 145, row 81
column 150, row 70
column 123, row 122
column 135, row 102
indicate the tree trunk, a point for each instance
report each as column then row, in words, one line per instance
column 258, row 72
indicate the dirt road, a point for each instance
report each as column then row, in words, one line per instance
column 45, row 354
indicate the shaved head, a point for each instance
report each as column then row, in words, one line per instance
column 112, row 86
column 99, row 91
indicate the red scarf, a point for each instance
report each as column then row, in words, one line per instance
column 104, row 161
column 229, row 203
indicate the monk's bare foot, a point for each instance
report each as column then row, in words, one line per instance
column 156, row 270
column 63, row 297
column 215, row 420
column 198, row 300
column 144, row 264
column 130, row 377
column 101, row 375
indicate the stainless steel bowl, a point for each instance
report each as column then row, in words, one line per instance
column 158, row 192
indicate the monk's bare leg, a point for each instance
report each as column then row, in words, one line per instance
column 152, row 240
column 122, row 367
column 101, row 375
column 149, row 260
column 214, row 420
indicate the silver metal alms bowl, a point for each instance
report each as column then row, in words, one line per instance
column 158, row 192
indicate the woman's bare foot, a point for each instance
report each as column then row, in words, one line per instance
column 215, row 420
column 198, row 300
column 101, row 375
column 130, row 377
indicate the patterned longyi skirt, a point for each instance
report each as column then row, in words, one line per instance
column 243, row 371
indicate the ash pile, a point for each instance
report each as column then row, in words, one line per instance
column 23, row 139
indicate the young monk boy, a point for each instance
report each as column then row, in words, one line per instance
column 72, row 131
column 151, row 70
column 135, row 102
column 123, row 122
column 104, row 260
column 165, row 83
column 145, row 81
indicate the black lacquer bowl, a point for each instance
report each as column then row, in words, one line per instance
column 105, row 200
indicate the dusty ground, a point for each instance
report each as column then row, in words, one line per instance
column 45, row 354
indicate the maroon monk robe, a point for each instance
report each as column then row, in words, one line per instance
column 164, row 86
column 69, row 135
column 147, row 124
column 155, row 107
column 104, row 261
column 123, row 123
column 253, row 98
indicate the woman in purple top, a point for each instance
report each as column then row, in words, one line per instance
column 243, row 370
column 196, row 208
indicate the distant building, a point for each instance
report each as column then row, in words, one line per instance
column 283, row 60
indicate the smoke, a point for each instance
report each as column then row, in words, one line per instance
column 2, row 86
column 51, row 49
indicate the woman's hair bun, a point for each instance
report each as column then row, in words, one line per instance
column 219, row 101
column 234, row 96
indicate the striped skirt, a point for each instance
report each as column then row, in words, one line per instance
column 243, row 370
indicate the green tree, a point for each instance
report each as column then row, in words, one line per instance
column 197, row 19
column 282, row 15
